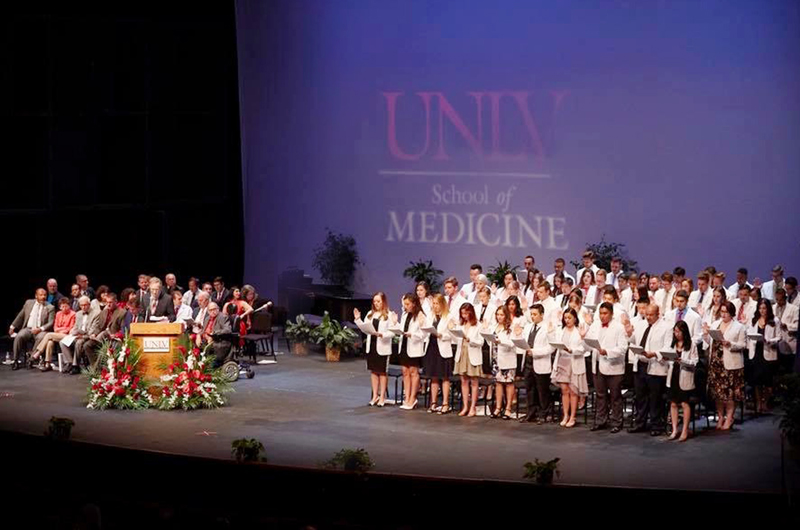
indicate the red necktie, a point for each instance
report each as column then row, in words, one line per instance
column 741, row 313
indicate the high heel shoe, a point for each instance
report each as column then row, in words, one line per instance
column 563, row 422
column 444, row 410
column 495, row 414
column 463, row 412
column 507, row 414
column 381, row 403
column 373, row 402
column 673, row 435
column 570, row 424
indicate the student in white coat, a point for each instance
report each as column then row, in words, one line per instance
column 378, row 345
column 745, row 306
column 680, row 378
column 650, row 370
column 470, row 289
column 741, row 279
column 469, row 359
column 412, row 348
column 726, row 364
column 438, row 361
column 569, row 368
column 788, row 315
column 588, row 288
column 683, row 313
column 700, row 300
column 501, row 293
column 424, row 294
column 551, row 311
column 481, row 282
column 769, row 288
column 485, row 310
column 763, row 352
column 538, row 364
column 665, row 294
column 504, row 363
column 453, row 295
column 609, row 366
column 588, row 263
column 558, row 268
column 518, row 318
column 713, row 312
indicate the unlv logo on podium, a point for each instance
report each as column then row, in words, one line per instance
column 503, row 108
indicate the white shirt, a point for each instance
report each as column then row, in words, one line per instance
column 733, row 290
column 658, row 340
column 578, row 274
column 768, row 289
column 187, row 298
column 749, row 311
column 35, row 318
column 614, row 340
column 694, row 299
column 693, row 321
column 552, row 276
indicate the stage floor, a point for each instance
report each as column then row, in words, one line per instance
column 304, row 409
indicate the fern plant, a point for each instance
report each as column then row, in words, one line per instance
column 496, row 273
column 604, row 252
column 424, row 271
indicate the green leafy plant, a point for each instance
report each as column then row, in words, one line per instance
column 59, row 428
column 336, row 259
column 298, row 331
column 604, row 251
column 424, row 271
column 496, row 273
column 331, row 333
column 247, row 450
column 357, row 460
column 788, row 393
column 542, row 472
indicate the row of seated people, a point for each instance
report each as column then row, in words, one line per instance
column 79, row 324
column 687, row 326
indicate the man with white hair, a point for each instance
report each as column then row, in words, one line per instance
column 172, row 284
column 200, row 313
column 78, row 334
column 53, row 296
column 158, row 306
column 216, row 333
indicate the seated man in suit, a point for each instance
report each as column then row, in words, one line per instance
column 53, row 296
column 216, row 333
column 158, row 305
column 30, row 326
column 132, row 314
column 107, row 324
column 220, row 294
column 200, row 313
column 80, row 332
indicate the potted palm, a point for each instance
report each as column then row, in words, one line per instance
column 335, row 337
column 299, row 332
column 542, row 472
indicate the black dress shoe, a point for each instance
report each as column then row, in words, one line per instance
column 640, row 428
column 655, row 433
column 615, row 430
column 75, row 370
column 15, row 365
column 598, row 427
column 526, row 419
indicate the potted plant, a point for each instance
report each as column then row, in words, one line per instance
column 496, row 273
column 334, row 337
column 424, row 271
column 357, row 460
column 59, row 428
column 299, row 332
column 604, row 252
column 247, row 450
column 788, row 393
column 542, row 472
column 336, row 259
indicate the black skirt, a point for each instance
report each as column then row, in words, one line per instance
column 675, row 393
column 434, row 365
column 376, row 363
column 763, row 371
column 487, row 359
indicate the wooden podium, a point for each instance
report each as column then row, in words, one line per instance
column 158, row 342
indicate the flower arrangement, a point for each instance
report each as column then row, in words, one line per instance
column 192, row 382
column 115, row 381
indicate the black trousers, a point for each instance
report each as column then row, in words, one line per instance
column 609, row 389
column 641, row 395
column 537, row 392
column 657, row 385
column 221, row 350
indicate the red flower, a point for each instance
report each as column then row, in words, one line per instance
column 166, row 391
column 196, row 352
column 182, row 349
column 118, row 390
column 109, row 386
column 119, row 335
column 135, row 379
column 129, row 369
column 104, row 372
column 100, row 392
column 196, row 374
column 185, row 366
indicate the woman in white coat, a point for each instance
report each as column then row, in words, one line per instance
column 726, row 364
column 764, row 352
column 569, row 368
column 423, row 291
column 504, row 363
column 469, row 359
column 412, row 348
column 680, row 378
column 378, row 345
column 438, row 361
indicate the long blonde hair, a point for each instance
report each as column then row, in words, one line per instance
column 384, row 306
column 439, row 297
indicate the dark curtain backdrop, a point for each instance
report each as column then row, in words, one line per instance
column 121, row 150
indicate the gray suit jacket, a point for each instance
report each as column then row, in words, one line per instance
column 80, row 316
column 47, row 320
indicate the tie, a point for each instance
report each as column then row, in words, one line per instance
column 532, row 335
column 644, row 337
column 680, row 315
column 210, row 326
column 483, row 311
column 741, row 313
column 702, row 294
column 39, row 317
column 450, row 301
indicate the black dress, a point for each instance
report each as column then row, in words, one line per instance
column 675, row 393
column 376, row 363
column 433, row 364
column 405, row 360
column 763, row 370
column 486, row 350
